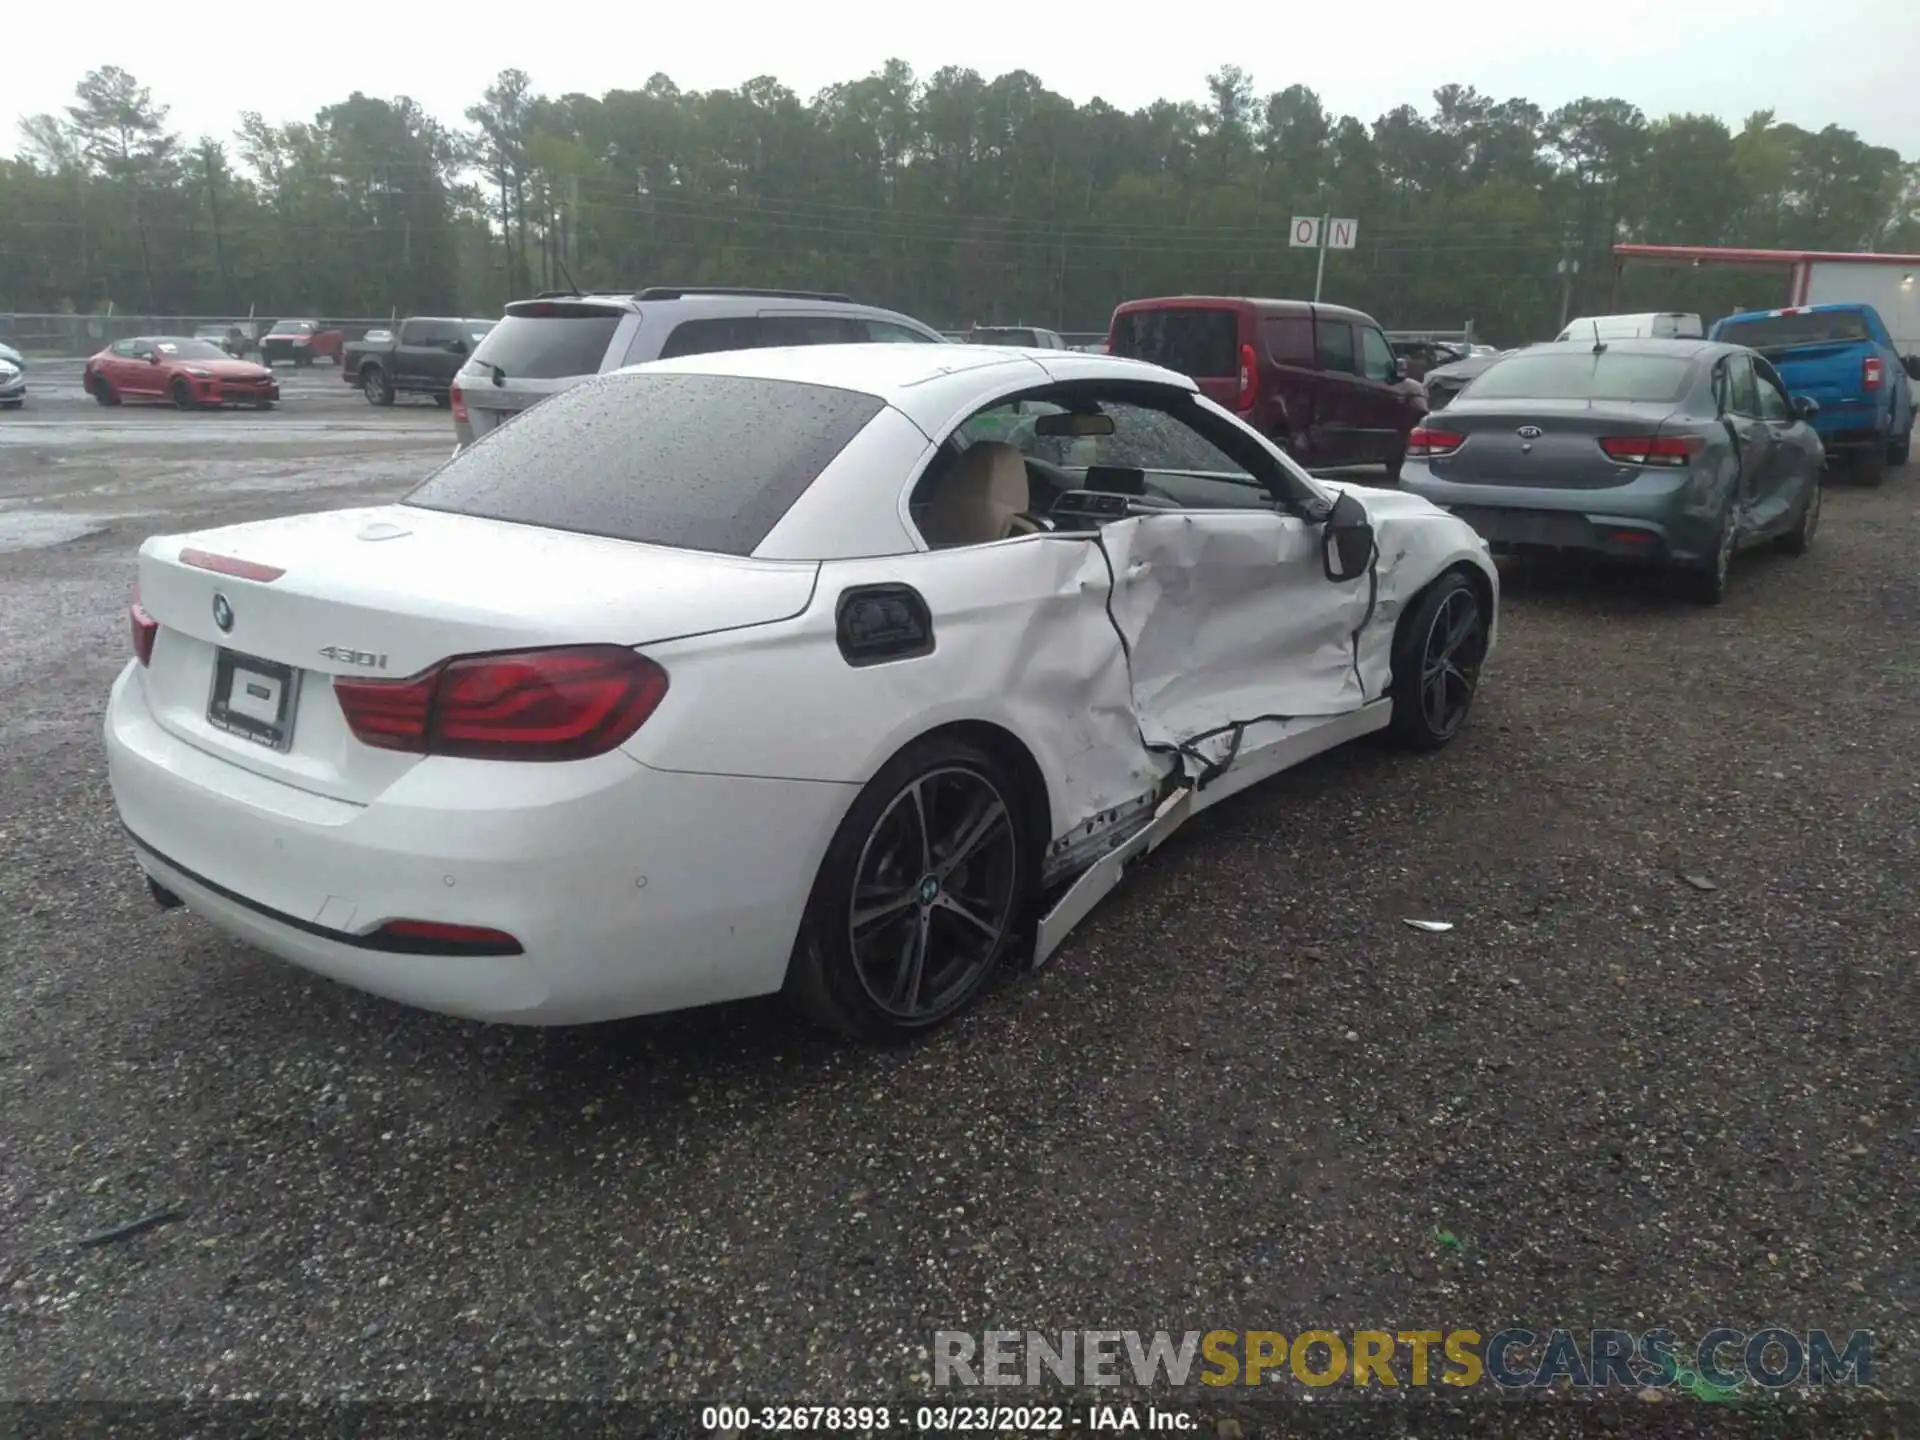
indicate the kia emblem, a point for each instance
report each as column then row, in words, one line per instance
column 1529, row 432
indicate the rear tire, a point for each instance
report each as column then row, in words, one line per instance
column 1707, row 584
column 1438, row 649
column 1870, row 465
column 443, row 400
column 940, row 848
column 1395, row 465
column 1799, row 540
column 373, row 380
column 1900, row 451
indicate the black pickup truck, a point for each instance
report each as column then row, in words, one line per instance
column 420, row 358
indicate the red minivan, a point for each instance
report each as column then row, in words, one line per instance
column 1320, row 380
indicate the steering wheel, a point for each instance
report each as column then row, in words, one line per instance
column 1048, row 482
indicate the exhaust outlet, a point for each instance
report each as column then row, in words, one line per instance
column 162, row 896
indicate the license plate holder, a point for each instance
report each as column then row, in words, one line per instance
column 1529, row 527
column 254, row 699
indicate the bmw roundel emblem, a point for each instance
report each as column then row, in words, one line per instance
column 222, row 612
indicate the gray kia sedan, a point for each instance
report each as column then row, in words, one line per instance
column 1679, row 451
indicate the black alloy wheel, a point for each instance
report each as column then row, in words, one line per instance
column 919, row 896
column 1437, row 654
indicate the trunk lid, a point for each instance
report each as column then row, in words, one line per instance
column 1832, row 373
column 539, row 348
column 1566, row 454
column 492, row 402
column 388, row 591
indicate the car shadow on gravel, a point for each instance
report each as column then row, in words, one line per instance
column 1617, row 588
column 652, row 1078
column 675, row 1084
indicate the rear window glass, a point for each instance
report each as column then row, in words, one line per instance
column 811, row 330
column 699, row 462
column 1778, row 332
column 1290, row 339
column 1610, row 375
column 1202, row 344
column 1003, row 335
column 549, row 347
column 704, row 337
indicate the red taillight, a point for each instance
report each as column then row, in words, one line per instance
column 1424, row 444
column 145, row 630
column 1666, row 450
column 565, row 704
column 230, row 565
column 435, row 937
column 458, row 401
column 1249, row 379
column 388, row 714
column 1871, row 373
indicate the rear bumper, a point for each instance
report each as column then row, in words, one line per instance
column 1852, row 438
column 1657, row 516
column 630, row 890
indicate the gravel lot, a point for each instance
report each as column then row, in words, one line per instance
column 1244, row 1096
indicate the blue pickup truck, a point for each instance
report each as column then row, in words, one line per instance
column 1842, row 357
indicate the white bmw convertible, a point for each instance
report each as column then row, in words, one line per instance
column 846, row 671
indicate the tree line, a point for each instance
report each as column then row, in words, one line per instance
column 955, row 198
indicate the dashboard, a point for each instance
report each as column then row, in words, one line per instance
column 1103, row 492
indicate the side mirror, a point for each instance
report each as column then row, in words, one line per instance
column 1912, row 362
column 153, row 357
column 1346, row 547
column 1805, row 406
column 457, row 347
column 1401, row 370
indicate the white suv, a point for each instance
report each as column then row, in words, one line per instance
column 556, row 340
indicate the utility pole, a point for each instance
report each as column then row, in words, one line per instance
column 213, row 208
column 146, row 257
column 506, row 231
column 1320, row 268
column 573, row 226
column 1567, row 269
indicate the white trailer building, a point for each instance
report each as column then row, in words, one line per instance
column 1889, row 283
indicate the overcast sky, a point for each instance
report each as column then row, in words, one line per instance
column 1854, row 66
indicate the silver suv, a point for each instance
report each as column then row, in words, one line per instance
column 545, row 345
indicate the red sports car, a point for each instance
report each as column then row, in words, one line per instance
column 186, row 373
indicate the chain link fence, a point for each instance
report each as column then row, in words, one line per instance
column 72, row 337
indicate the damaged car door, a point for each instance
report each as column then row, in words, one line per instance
column 1220, row 586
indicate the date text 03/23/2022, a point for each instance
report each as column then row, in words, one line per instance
column 943, row 1419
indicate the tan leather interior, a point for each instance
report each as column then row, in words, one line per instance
column 979, row 497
